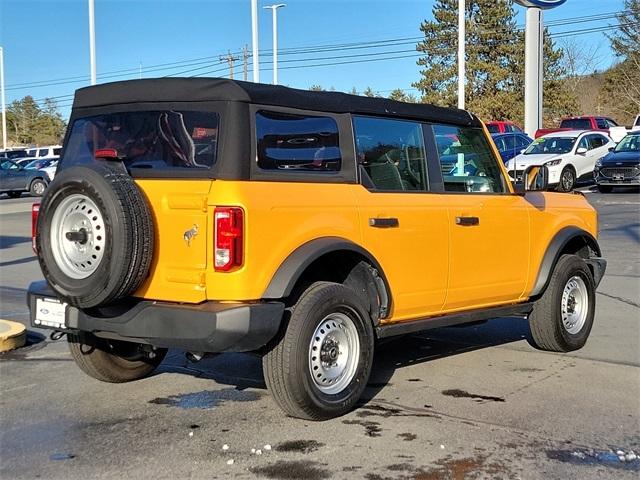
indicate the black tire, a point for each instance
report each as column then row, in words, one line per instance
column 546, row 319
column 128, row 235
column 37, row 187
column 568, row 174
column 286, row 366
column 112, row 361
column 14, row 194
column 605, row 188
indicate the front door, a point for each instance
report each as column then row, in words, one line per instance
column 403, row 225
column 489, row 226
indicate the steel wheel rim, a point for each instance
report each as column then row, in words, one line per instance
column 567, row 180
column 334, row 353
column 78, row 257
column 38, row 188
column 575, row 305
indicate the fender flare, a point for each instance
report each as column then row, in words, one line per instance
column 554, row 250
column 290, row 271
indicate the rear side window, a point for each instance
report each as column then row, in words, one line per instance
column 467, row 163
column 602, row 123
column 392, row 153
column 295, row 142
column 57, row 151
column 148, row 140
column 576, row 124
column 493, row 128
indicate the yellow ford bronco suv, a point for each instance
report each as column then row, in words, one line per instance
column 214, row 215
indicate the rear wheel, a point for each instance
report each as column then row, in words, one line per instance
column 320, row 365
column 37, row 187
column 567, row 179
column 113, row 361
column 605, row 188
column 562, row 318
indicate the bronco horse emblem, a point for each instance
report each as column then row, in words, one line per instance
column 190, row 234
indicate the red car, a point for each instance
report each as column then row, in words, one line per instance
column 580, row 123
column 503, row 126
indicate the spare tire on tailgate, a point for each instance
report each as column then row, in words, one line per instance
column 94, row 235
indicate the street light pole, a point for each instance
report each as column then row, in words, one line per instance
column 4, row 107
column 274, row 10
column 92, row 42
column 254, row 40
column 461, row 53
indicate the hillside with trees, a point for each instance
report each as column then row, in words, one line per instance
column 31, row 124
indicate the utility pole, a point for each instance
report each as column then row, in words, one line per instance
column 245, row 63
column 92, row 42
column 461, row 53
column 230, row 59
column 254, row 40
column 4, row 106
column 274, row 11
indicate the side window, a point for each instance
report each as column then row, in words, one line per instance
column 392, row 153
column 500, row 143
column 510, row 142
column 57, row 151
column 43, row 152
column 598, row 141
column 297, row 142
column 467, row 161
column 584, row 143
column 522, row 142
column 517, row 129
column 602, row 123
column 611, row 123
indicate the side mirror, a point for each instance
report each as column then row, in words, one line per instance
column 581, row 151
column 611, row 149
column 534, row 179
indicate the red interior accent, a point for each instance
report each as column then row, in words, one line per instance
column 106, row 153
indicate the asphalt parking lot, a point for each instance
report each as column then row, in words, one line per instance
column 453, row 403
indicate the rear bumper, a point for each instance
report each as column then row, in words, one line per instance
column 206, row 327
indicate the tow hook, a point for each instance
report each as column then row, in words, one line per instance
column 57, row 335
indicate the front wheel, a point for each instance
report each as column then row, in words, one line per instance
column 562, row 318
column 37, row 187
column 320, row 365
column 567, row 180
column 113, row 361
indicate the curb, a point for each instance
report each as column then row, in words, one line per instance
column 12, row 335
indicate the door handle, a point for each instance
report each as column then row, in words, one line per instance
column 384, row 222
column 467, row 221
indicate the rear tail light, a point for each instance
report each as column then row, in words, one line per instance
column 35, row 211
column 229, row 231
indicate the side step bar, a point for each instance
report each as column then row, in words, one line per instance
column 413, row 326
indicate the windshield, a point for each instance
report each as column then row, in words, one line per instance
column 38, row 164
column 630, row 143
column 576, row 124
column 544, row 145
column 150, row 140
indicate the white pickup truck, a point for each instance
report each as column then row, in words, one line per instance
column 618, row 133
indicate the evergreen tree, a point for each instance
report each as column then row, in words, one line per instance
column 399, row 95
column 495, row 62
column 30, row 124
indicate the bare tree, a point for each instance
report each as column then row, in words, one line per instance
column 579, row 61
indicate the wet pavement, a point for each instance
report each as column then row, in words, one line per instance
column 452, row 403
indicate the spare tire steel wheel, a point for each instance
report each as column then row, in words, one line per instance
column 94, row 236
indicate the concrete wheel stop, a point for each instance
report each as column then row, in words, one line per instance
column 12, row 335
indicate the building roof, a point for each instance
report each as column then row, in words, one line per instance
column 172, row 90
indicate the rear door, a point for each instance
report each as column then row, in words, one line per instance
column 168, row 153
column 403, row 224
column 488, row 226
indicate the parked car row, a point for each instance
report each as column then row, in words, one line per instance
column 583, row 148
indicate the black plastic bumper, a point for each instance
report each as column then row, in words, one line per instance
column 206, row 327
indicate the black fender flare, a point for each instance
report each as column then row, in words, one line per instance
column 554, row 250
column 290, row 271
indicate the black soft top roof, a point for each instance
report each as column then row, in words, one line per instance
column 172, row 90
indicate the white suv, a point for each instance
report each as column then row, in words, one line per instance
column 569, row 155
column 42, row 152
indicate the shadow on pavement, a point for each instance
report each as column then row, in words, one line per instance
column 243, row 370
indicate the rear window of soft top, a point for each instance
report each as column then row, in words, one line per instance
column 158, row 140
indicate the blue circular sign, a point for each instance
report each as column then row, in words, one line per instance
column 541, row 3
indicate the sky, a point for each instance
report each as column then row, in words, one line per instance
column 46, row 43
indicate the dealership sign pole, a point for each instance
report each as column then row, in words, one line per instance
column 4, row 105
column 461, row 54
column 533, row 61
